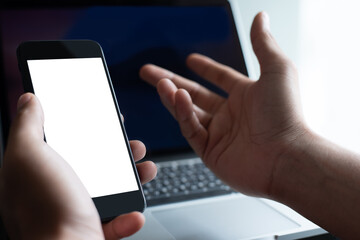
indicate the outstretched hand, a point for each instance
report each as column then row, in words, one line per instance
column 40, row 195
column 240, row 137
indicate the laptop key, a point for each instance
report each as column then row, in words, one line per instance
column 183, row 181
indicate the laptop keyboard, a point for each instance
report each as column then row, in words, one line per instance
column 183, row 180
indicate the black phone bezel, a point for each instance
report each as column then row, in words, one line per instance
column 108, row 206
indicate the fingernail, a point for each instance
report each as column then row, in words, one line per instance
column 23, row 100
column 266, row 21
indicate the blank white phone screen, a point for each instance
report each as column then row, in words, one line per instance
column 82, row 124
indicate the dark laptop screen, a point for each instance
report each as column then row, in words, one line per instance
column 130, row 37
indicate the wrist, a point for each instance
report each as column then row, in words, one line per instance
column 320, row 180
column 294, row 170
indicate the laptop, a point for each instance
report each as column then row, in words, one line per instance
column 185, row 201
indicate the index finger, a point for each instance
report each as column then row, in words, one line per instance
column 201, row 96
column 221, row 75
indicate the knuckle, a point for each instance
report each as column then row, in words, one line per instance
column 194, row 90
column 288, row 67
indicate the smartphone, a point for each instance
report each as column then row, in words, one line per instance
column 82, row 119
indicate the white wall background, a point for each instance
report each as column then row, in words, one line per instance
column 322, row 37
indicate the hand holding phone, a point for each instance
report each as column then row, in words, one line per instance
column 83, row 121
column 53, row 202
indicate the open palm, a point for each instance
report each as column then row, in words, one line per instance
column 239, row 137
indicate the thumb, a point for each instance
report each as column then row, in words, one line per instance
column 28, row 123
column 264, row 45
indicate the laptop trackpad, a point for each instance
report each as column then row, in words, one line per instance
column 228, row 219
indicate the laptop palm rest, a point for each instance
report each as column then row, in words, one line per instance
column 234, row 218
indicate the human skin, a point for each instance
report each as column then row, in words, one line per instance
column 256, row 140
column 41, row 197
